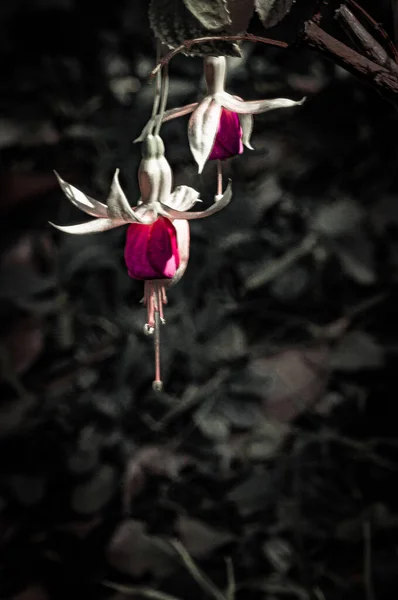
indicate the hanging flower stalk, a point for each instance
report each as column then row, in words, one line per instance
column 157, row 243
column 220, row 124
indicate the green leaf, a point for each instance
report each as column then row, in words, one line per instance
column 173, row 23
column 272, row 11
column 212, row 14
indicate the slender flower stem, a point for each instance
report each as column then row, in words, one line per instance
column 187, row 44
column 156, row 99
column 164, row 95
column 219, row 178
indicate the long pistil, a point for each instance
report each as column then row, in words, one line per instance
column 154, row 298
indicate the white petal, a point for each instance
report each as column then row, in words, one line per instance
column 220, row 202
column 246, row 122
column 95, row 226
column 118, row 207
column 173, row 113
column 85, row 203
column 255, row 107
column 182, row 229
column 183, row 198
column 202, row 129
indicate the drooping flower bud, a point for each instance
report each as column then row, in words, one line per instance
column 151, row 251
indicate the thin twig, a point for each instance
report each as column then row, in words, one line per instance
column 231, row 587
column 145, row 592
column 201, row 579
column 192, row 396
column 372, row 48
column 367, row 561
column 281, row 589
column 361, row 66
column 280, row 265
column 377, row 26
column 187, row 44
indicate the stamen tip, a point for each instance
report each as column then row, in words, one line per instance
column 157, row 386
column 148, row 329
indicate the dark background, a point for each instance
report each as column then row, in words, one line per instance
column 274, row 442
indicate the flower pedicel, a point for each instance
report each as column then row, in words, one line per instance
column 157, row 244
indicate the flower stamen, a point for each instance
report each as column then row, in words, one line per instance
column 219, row 178
column 154, row 298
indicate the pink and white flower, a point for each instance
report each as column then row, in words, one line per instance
column 220, row 124
column 157, row 243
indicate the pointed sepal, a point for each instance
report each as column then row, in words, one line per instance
column 183, row 198
column 202, row 130
column 82, row 201
column 255, row 107
column 118, row 206
column 95, row 226
column 220, row 202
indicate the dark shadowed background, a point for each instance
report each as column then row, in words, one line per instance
column 272, row 451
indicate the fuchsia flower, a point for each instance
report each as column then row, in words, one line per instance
column 220, row 124
column 151, row 251
column 157, row 244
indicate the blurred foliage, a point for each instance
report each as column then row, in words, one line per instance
column 274, row 442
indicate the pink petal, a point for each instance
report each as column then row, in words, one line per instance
column 151, row 251
column 228, row 140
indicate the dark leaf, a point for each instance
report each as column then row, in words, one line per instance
column 254, row 493
column 241, row 12
column 339, row 218
column 21, row 282
column 173, row 23
column 93, row 495
column 133, row 551
column 298, row 379
column 357, row 350
column 279, row 553
column 147, row 461
column 199, row 538
column 22, row 345
column 272, row 11
column 356, row 256
column 27, row 489
column 212, row 14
